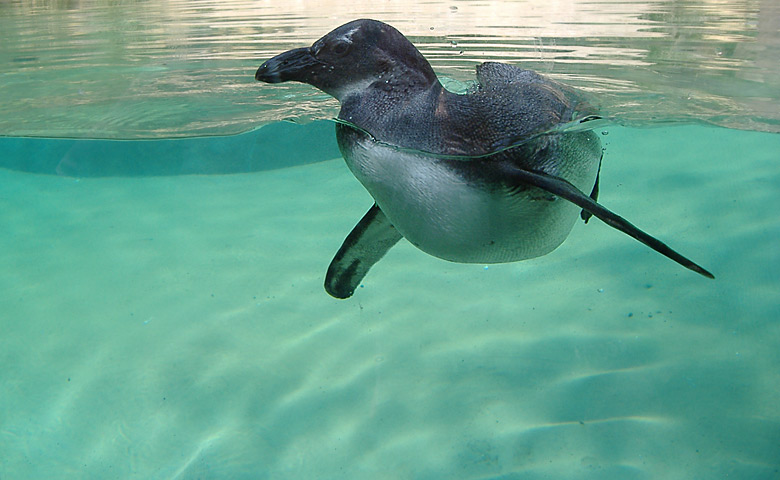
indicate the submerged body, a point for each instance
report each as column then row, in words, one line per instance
column 464, row 212
column 484, row 177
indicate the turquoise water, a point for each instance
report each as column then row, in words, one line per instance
column 162, row 314
column 151, row 69
column 277, row 145
column 176, row 327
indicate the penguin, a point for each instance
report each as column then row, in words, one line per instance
column 494, row 175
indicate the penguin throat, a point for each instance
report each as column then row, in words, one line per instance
column 393, row 116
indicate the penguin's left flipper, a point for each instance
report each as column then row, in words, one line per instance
column 564, row 189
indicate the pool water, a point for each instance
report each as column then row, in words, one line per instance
column 162, row 313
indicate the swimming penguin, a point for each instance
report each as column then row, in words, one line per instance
column 483, row 177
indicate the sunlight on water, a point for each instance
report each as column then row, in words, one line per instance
column 97, row 69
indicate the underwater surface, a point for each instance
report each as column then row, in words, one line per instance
column 164, row 238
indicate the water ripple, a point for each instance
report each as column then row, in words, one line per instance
column 173, row 69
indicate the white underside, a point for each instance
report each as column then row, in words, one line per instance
column 442, row 215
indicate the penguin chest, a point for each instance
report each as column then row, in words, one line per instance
column 454, row 216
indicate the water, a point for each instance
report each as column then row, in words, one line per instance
column 96, row 69
column 161, row 325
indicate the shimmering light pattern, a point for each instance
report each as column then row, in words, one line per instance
column 98, row 69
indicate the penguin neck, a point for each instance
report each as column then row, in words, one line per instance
column 393, row 105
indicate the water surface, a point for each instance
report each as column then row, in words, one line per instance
column 139, row 69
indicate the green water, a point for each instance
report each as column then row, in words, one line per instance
column 277, row 145
column 151, row 69
column 162, row 314
column 176, row 327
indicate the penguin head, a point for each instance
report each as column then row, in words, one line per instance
column 351, row 59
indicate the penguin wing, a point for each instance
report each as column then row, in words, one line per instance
column 366, row 244
column 564, row 189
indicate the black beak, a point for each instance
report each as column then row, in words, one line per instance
column 292, row 65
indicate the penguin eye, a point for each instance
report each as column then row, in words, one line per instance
column 340, row 47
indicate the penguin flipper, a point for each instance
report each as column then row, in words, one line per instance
column 564, row 189
column 365, row 245
column 594, row 194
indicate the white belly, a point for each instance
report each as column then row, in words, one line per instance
column 443, row 215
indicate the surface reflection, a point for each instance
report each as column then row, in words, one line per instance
column 168, row 69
